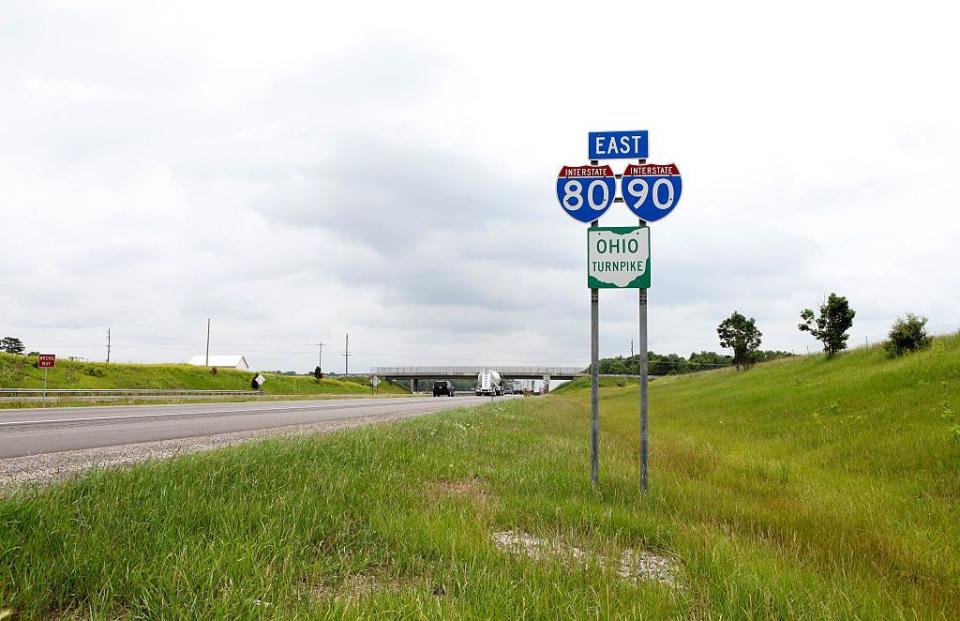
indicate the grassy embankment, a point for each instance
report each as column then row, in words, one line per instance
column 802, row 489
column 21, row 372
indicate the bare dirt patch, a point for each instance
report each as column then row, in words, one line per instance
column 472, row 490
column 635, row 565
column 360, row 585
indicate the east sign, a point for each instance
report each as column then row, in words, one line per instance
column 622, row 145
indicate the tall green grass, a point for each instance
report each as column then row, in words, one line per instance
column 21, row 372
column 801, row 489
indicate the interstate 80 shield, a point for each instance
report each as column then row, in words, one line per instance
column 586, row 192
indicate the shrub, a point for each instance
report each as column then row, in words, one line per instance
column 94, row 371
column 908, row 333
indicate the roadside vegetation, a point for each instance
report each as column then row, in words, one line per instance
column 19, row 371
column 808, row 488
column 675, row 364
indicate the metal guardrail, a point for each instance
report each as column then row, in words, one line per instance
column 31, row 392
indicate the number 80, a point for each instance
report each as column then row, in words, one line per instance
column 573, row 195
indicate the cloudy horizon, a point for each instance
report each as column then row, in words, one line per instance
column 299, row 171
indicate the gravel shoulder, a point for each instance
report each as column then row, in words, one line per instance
column 54, row 467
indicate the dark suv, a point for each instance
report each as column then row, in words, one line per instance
column 443, row 388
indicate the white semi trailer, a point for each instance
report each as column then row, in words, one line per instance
column 489, row 383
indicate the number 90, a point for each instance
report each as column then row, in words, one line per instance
column 638, row 189
column 651, row 197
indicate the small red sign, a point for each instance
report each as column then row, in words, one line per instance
column 47, row 361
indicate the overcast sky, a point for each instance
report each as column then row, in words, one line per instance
column 297, row 171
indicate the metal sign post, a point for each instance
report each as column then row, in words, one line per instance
column 642, row 320
column 643, row 386
column 594, row 380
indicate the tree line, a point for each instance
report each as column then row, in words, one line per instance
column 830, row 325
column 675, row 364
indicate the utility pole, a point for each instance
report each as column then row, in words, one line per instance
column 206, row 361
column 631, row 348
column 108, row 345
column 346, row 357
column 320, row 356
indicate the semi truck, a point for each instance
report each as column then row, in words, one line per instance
column 514, row 388
column 489, row 384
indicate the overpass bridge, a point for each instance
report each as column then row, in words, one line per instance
column 414, row 374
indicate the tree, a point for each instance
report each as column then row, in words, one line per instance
column 908, row 333
column 830, row 327
column 318, row 373
column 12, row 345
column 740, row 334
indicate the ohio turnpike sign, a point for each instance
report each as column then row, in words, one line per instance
column 618, row 257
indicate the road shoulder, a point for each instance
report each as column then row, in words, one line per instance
column 53, row 467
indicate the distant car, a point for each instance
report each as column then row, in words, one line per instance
column 443, row 388
column 507, row 390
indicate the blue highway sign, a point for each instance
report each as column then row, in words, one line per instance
column 618, row 145
column 651, row 191
column 586, row 192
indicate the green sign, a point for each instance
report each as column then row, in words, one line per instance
column 618, row 257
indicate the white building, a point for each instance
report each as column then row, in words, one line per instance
column 221, row 362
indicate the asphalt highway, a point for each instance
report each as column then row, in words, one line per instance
column 36, row 431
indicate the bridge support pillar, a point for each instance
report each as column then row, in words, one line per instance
column 546, row 384
column 413, row 384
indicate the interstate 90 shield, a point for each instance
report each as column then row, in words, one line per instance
column 651, row 191
column 586, row 192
